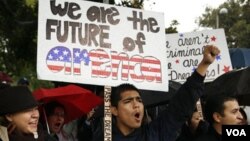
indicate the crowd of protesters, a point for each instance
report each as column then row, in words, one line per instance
column 20, row 118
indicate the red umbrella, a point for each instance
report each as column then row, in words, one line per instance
column 76, row 100
column 4, row 77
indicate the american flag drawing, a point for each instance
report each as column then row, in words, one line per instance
column 80, row 56
column 60, row 58
column 103, row 65
column 137, row 67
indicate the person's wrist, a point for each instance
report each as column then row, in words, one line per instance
column 202, row 68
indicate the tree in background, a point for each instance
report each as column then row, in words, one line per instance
column 18, row 31
column 236, row 22
column 131, row 3
column 172, row 28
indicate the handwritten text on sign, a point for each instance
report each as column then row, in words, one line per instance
column 185, row 52
column 95, row 43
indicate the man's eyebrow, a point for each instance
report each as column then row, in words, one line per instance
column 235, row 109
column 131, row 97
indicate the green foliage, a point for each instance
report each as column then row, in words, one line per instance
column 236, row 22
column 135, row 4
column 17, row 33
column 172, row 28
column 18, row 43
column 100, row 1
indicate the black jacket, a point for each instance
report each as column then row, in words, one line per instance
column 165, row 127
column 16, row 136
column 187, row 135
column 212, row 135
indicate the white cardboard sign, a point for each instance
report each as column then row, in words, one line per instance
column 185, row 51
column 100, row 44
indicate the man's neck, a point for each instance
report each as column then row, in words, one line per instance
column 218, row 128
column 124, row 129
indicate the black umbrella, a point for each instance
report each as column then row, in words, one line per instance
column 157, row 98
column 234, row 83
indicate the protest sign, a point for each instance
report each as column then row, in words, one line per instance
column 100, row 44
column 185, row 52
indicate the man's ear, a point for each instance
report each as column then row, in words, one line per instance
column 217, row 117
column 114, row 110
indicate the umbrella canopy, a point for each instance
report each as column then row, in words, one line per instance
column 5, row 78
column 234, row 83
column 156, row 98
column 76, row 100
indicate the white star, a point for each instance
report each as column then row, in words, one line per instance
column 85, row 55
column 65, row 52
column 50, row 56
column 77, row 54
column 61, row 58
column 56, row 51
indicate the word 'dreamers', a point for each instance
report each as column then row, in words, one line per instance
column 235, row 132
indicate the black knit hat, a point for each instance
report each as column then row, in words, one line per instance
column 16, row 99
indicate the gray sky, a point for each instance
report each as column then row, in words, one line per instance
column 184, row 11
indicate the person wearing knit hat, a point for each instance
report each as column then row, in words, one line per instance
column 19, row 108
